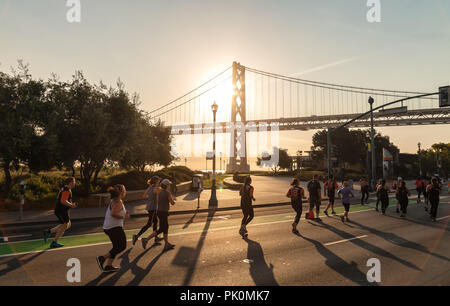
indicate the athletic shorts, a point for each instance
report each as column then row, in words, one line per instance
column 331, row 198
column 346, row 206
column 63, row 216
column 314, row 202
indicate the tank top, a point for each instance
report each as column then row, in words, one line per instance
column 246, row 199
column 151, row 203
column 296, row 195
column 110, row 221
column 434, row 192
column 402, row 194
column 383, row 194
column 163, row 201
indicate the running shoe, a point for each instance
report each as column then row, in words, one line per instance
column 326, row 213
column 318, row 219
column 334, row 213
column 46, row 235
column 169, row 247
column 242, row 230
column 110, row 269
column 157, row 239
column 342, row 219
column 144, row 243
column 100, row 262
column 347, row 220
column 135, row 238
column 55, row 245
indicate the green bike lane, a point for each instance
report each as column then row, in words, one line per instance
column 220, row 222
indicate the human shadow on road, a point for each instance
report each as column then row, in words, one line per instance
column 261, row 273
column 139, row 273
column 347, row 270
column 125, row 263
column 368, row 246
column 17, row 262
column 397, row 240
column 189, row 222
column 192, row 255
column 190, row 196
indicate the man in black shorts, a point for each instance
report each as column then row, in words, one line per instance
column 331, row 191
column 63, row 205
column 315, row 195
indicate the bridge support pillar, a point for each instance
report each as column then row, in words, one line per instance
column 238, row 143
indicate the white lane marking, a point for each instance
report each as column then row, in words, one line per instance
column 345, row 240
column 175, row 234
column 438, row 219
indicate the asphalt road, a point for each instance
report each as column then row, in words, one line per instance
column 209, row 251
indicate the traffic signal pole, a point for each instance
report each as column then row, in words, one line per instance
column 370, row 112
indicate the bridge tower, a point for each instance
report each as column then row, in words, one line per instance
column 238, row 144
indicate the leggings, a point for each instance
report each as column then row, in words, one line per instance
column 434, row 207
column 163, row 217
column 247, row 210
column 298, row 209
column 152, row 219
column 118, row 239
column 364, row 194
column 384, row 204
column 403, row 206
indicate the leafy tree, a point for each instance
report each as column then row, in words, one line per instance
column 284, row 160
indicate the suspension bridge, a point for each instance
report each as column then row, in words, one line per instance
column 253, row 99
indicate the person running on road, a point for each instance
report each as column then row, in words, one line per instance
column 246, row 193
column 315, row 195
column 296, row 194
column 331, row 187
column 152, row 193
column 395, row 187
column 402, row 195
column 325, row 185
column 63, row 205
column 364, row 191
column 378, row 194
column 165, row 198
column 113, row 228
column 346, row 192
column 419, row 188
column 383, row 191
column 426, row 182
column 434, row 191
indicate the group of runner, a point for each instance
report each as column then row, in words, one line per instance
column 159, row 198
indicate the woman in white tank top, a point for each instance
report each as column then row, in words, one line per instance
column 113, row 227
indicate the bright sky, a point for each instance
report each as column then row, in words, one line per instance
column 162, row 49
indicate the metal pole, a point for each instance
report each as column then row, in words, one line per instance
column 329, row 144
column 372, row 146
column 213, row 199
column 420, row 161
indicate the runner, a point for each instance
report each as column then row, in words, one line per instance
column 296, row 194
column 419, row 188
column 315, row 196
column 396, row 186
column 434, row 191
column 378, row 194
column 113, row 228
column 246, row 193
column 364, row 191
column 346, row 192
column 383, row 192
column 402, row 195
column 325, row 185
column 426, row 182
column 63, row 205
column 332, row 185
column 152, row 194
column 165, row 198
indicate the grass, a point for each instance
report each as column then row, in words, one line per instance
column 207, row 184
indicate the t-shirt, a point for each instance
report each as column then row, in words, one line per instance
column 346, row 192
column 314, row 189
column 65, row 194
column 418, row 184
column 296, row 193
column 163, row 201
column 332, row 186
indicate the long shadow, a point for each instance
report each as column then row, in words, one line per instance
column 261, row 273
column 117, row 275
column 17, row 262
column 368, row 246
column 393, row 238
column 140, row 273
column 190, row 196
column 195, row 253
column 347, row 270
column 189, row 222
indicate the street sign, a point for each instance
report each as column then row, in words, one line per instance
column 209, row 155
column 443, row 96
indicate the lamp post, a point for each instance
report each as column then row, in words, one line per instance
column 372, row 144
column 213, row 200
column 420, row 160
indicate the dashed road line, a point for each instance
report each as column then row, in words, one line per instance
column 345, row 240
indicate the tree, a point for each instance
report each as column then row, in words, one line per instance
column 284, row 160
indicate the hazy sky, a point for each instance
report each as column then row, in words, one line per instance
column 162, row 49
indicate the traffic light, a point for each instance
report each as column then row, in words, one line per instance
column 443, row 96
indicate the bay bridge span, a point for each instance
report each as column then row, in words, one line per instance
column 252, row 98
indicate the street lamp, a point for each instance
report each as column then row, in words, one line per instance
column 213, row 199
column 372, row 143
column 420, row 161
